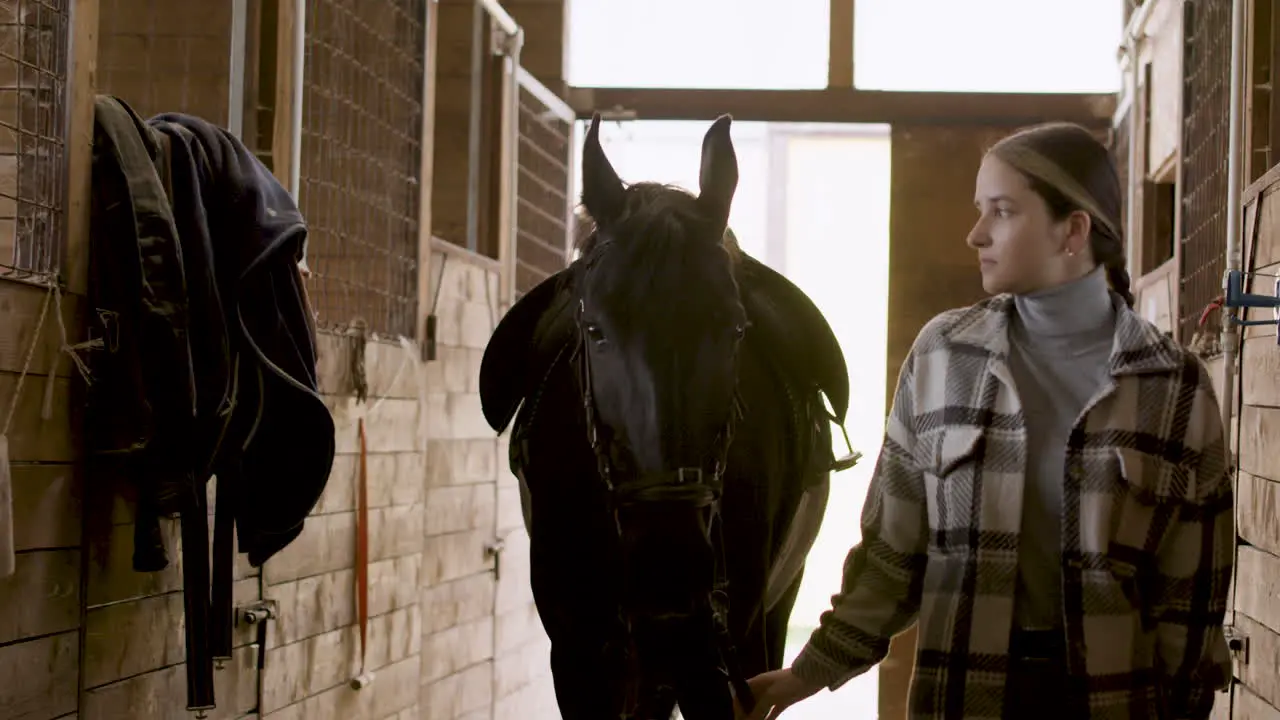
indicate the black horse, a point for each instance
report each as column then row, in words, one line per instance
column 671, row 428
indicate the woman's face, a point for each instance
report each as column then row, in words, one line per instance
column 1021, row 248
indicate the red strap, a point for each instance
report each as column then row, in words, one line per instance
column 362, row 546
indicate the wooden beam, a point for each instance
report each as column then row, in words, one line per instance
column 426, row 172
column 840, row 45
column 81, row 87
column 846, row 105
column 282, row 149
column 508, row 170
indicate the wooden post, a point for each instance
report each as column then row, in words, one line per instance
column 82, row 86
column 507, row 166
column 426, row 170
column 840, row 44
column 282, row 149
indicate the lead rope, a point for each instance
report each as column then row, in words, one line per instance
column 8, row 558
column 8, row 561
column 720, row 591
column 364, row 678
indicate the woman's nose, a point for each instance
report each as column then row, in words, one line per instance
column 978, row 237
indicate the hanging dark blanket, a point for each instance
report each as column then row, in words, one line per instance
column 208, row 359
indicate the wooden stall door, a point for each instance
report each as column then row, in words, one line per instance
column 930, row 270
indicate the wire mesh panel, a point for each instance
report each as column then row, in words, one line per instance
column 1205, row 103
column 34, row 41
column 543, row 201
column 361, row 158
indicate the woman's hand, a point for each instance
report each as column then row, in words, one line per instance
column 776, row 691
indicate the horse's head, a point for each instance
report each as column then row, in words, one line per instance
column 661, row 323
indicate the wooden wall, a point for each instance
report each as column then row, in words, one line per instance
column 313, row 646
column 546, row 30
column 166, row 56
column 158, row 58
column 1257, row 580
column 485, row 653
column 83, row 636
column 40, row 617
column 40, row 621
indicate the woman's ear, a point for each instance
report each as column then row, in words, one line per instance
column 1078, row 226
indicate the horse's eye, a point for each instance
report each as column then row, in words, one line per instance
column 595, row 334
column 740, row 331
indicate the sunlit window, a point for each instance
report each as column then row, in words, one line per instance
column 698, row 43
column 988, row 45
column 923, row 45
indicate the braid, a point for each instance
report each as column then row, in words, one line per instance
column 1118, row 276
column 1108, row 251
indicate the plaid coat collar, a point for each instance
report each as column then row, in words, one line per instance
column 1139, row 348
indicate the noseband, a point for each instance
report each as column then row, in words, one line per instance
column 691, row 487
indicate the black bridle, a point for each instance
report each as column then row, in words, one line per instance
column 691, row 487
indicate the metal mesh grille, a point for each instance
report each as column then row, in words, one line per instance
column 1206, row 76
column 542, row 192
column 34, row 39
column 360, row 160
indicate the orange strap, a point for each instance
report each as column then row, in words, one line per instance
column 362, row 546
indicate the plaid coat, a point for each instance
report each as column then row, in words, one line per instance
column 1147, row 534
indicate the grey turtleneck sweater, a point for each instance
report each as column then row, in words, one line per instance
column 1060, row 344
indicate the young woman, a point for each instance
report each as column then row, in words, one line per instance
column 1052, row 503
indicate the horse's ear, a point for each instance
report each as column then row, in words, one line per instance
column 522, row 347
column 602, row 190
column 718, row 177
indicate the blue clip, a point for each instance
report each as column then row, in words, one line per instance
column 1236, row 297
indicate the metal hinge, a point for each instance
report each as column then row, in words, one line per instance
column 1237, row 644
column 256, row 612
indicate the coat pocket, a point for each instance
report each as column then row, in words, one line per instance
column 1152, row 479
column 949, row 486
